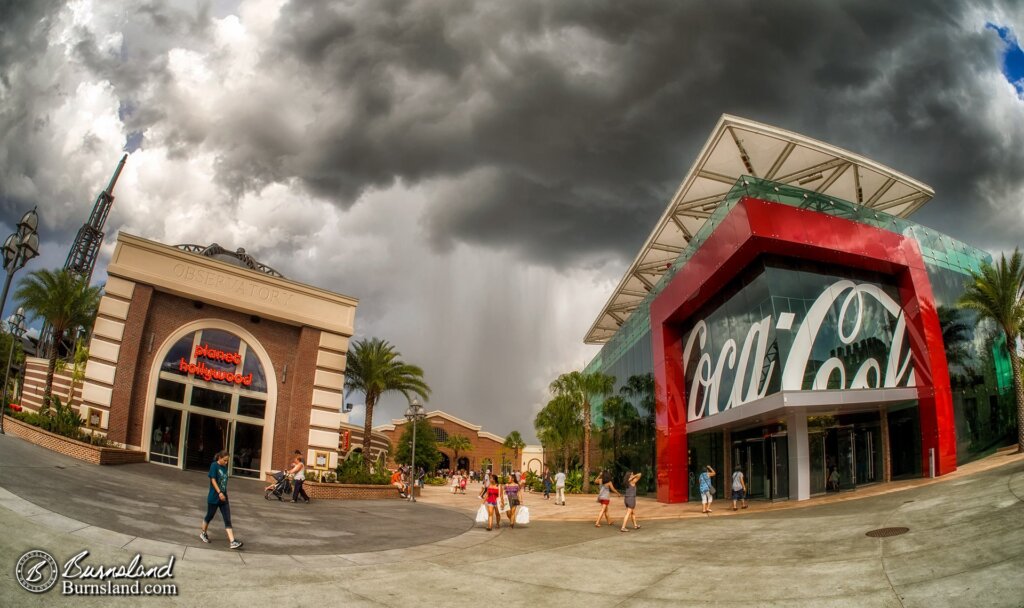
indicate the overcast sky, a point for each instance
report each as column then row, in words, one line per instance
column 480, row 174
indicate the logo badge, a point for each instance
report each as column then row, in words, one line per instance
column 36, row 571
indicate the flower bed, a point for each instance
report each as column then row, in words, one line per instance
column 348, row 491
column 69, row 447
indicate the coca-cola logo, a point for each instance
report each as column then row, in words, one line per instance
column 743, row 373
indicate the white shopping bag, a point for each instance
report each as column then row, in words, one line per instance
column 481, row 516
column 522, row 516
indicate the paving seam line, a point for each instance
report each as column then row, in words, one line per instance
column 58, row 531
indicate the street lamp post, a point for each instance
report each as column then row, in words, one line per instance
column 413, row 415
column 19, row 248
column 16, row 327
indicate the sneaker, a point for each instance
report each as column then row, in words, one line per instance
column 236, row 544
column 203, row 536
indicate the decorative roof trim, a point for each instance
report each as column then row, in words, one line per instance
column 211, row 250
column 738, row 147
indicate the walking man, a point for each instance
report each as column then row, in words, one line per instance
column 560, row 488
column 547, row 483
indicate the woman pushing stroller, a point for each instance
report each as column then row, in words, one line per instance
column 282, row 479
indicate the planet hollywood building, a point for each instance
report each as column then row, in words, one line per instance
column 197, row 349
column 798, row 327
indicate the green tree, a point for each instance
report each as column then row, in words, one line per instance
column 558, row 427
column 582, row 388
column 65, row 300
column 996, row 293
column 427, row 454
column 374, row 368
column 458, row 444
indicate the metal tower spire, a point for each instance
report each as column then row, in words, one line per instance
column 83, row 253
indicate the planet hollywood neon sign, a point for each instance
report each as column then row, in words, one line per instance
column 201, row 370
column 705, row 381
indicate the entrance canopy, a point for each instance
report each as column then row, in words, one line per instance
column 774, row 407
column 740, row 147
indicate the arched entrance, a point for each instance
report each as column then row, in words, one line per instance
column 211, row 388
column 445, row 462
column 463, row 464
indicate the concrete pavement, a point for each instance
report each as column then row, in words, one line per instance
column 965, row 547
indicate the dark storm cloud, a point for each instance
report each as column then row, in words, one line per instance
column 561, row 130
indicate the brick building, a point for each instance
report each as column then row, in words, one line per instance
column 488, row 448
column 198, row 349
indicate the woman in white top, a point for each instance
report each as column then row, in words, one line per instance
column 299, row 471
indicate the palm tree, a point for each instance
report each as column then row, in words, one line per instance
column 996, row 293
column 65, row 301
column 582, row 388
column 515, row 442
column 374, row 368
column 457, row 444
column 618, row 413
column 558, row 427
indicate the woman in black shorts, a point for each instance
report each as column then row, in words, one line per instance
column 629, row 497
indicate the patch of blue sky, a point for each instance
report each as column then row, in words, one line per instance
column 1013, row 57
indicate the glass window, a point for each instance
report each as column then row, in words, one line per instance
column 180, row 353
column 249, row 406
column 219, row 350
column 210, row 370
column 211, row 399
column 170, row 390
column 252, row 366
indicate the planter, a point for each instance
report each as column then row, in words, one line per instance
column 348, row 491
column 70, row 447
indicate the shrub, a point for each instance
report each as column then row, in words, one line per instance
column 534, row 482
column 574, row 481
column 435, row 481
column 62, row 420
column 352, row 470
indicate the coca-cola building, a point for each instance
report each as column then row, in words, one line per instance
column 798, row 327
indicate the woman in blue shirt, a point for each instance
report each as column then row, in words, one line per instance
column 217, row 498
column 707, row 489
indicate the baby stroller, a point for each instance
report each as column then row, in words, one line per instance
column 281, row 486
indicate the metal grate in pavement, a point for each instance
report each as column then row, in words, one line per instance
column 887, row 532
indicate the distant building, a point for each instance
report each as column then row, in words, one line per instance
column 488, row 449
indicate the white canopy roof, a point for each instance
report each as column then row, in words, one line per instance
column 740, row 147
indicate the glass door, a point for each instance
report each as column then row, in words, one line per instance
column 779, row 467
column 205, row 437
column 869, row 455
column 245, row 452
column 843, row 477
column 819, row 473
column 756, row 471
column 166, row 432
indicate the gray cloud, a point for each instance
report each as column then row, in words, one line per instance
column 385, row 148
